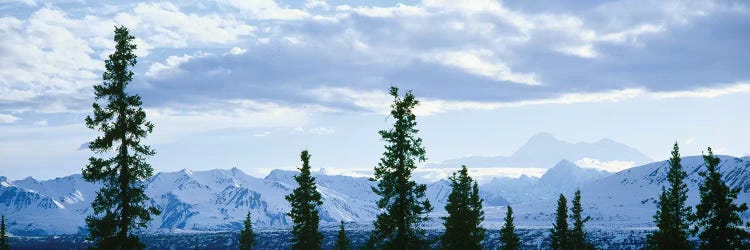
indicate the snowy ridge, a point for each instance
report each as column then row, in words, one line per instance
column 219, row 199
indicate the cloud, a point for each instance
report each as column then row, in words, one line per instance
column 609, row 166
column 263, row 134
column 742, row 87
column 266, row 9
column 4, row 118
column 454, row 55
column 476, row 62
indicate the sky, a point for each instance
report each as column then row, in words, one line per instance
column 249, row 84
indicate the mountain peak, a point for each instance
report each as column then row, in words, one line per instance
column 564, row 163
column 542, row 137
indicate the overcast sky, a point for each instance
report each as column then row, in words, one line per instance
column 249, row 84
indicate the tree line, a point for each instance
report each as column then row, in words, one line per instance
column 120, row 208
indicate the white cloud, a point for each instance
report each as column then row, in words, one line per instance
column 482, row 175
column 321, row 131
column 266, row 9
column 398, row 10
column 165, row 25
column 480, row 62
column 263, row 134
column 232, row 114
column 8, row 118
column 741, row 87
column 40, row 123
column 170, row 66
column 609, row 166
column 237, row 51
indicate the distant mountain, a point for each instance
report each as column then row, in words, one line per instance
column 544, row 150
column 627, row 199
column 564, row 177
column 197, row 200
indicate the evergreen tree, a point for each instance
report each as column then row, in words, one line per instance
column 717, row 217
column 577, row 236
column 4, row 244
column 465, row 214
column 119, row 207
column 247, row 237
column 403, row 203
column 672, row 215
column 342, row 242
column 305, row 200
column 559, row 232
column 508, row 236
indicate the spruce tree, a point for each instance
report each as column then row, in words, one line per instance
column 247, row 237
column 577, row 236
column 119, row 207
column 305, row 201
column 717, row 218
column 4, row 244
column 559, row 233
column 465, row 214
column 672, row 215
column 403, row 203
column 508, row 236
column 342, row 242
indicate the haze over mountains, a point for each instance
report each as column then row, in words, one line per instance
column 544, row 151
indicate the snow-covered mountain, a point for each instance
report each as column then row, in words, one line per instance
column 544, row 150
column 219, row 199
column 564, row 177
column 191, row 200
column 197, row 200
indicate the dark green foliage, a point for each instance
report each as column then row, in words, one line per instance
column 672, row 215
column 119, row 206
column 342, row 242
column 305, row 200
column 508, row 236
column 465, row 214
column 577, row 236
column 402, row 201
column 4, row 244
column 559, row 232
column 717, row 218
column 247, row 237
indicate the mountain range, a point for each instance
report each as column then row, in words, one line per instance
column 217, row 200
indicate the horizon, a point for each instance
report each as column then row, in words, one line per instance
column 249, row 85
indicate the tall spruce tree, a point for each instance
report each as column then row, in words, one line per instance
column 559, row 233
column 465, row 214
column 119, row 207
column 508, row 236
column 247, row 237
column 4, row 244
column 672, row 215
column 305, row 201
column 577, row 236
column 717, row 217
column 342, row 241
column 403, row 203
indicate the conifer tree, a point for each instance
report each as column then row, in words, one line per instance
column 403, row 203
column 672, row 215
column 559, row 233
column 508, row 236
column 247, row 237
column 305, row 201
column 119, row 207
column 4, row 244
column 578, row 234
column 342, row 241
column 465, row 214
column 717, row 218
